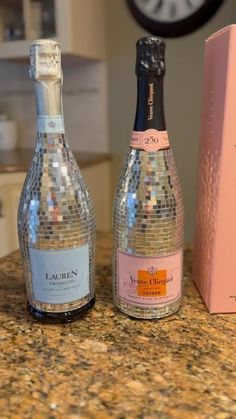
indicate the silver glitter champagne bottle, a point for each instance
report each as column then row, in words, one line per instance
column 148, row 206
column 56, row 224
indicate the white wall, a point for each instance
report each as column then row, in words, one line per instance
column 84, row 100
column 183, row 91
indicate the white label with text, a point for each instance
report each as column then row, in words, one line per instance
column 60, row 276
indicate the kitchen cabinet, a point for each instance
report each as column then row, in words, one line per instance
column 79, row 25
column 97, row 177
column 10, row 189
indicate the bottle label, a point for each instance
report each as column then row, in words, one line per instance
column 60, row 276
column 149, row 281
column 50, row 124
column 150, row 140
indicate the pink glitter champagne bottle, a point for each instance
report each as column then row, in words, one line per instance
column 56, row 224
column 148, row 206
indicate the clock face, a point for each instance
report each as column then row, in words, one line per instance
column 168, row 10
column 173, row 17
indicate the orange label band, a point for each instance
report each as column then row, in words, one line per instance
column 150, row 284
column 150, row 140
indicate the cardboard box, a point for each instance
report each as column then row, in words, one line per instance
column 214, row 266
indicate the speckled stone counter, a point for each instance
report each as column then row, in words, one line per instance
column 110, row 366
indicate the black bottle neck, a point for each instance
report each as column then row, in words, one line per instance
column 150, row 103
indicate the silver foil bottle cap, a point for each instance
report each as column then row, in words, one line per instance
column 45, row 60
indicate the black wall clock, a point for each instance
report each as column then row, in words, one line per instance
column 172, row 18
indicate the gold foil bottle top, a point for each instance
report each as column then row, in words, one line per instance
column 45, row 60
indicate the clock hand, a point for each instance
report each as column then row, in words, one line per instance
column 190, row 4
column 158, row 6
column 173, row 10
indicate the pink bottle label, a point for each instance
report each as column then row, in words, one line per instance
column 149, row 281
column 150, row 140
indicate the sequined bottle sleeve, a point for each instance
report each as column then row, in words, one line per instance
column 148, row 205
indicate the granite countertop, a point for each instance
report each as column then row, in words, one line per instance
column 108, row 365
column 18, row 160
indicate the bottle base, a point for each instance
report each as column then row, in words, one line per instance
column 63, row 317
column 147, row 314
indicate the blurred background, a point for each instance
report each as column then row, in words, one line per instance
column 98, row 43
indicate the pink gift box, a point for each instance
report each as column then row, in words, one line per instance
column 214, row 267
